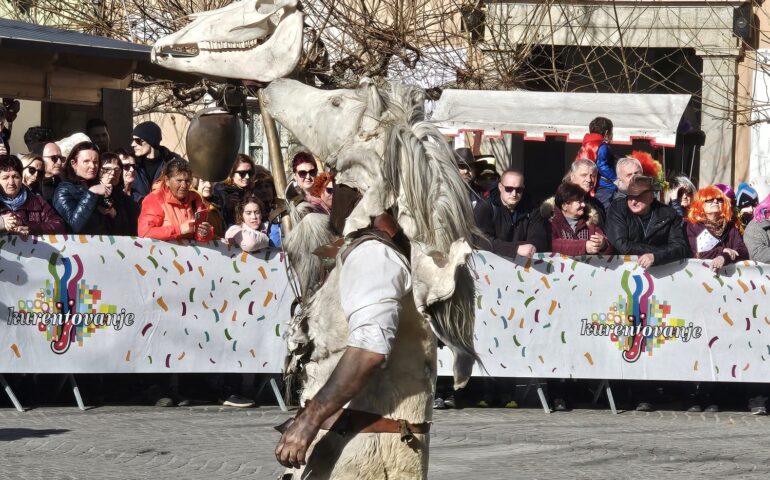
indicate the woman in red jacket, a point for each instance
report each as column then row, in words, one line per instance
column 23, row 212
column 173, row 211
column 575, row 226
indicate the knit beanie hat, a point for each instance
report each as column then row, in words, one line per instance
column 149, row 132
column 746, row 196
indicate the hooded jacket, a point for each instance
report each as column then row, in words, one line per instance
column 569, row 241
column 663, row 237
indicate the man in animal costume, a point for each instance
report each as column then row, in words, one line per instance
column 364, row 345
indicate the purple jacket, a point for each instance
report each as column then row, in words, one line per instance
column 38, row 216
column 731, row 238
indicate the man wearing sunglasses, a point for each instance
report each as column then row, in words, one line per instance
column 514, row 227
column 54, row 164
column 150, row 156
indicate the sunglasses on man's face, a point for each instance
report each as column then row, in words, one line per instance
column 138, row 141
column 128, row 166
column 244, row 173
column 518, row 190
column 307, row 173
column 55, row 158
column 34, row 171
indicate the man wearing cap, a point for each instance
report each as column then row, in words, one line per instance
column 150, row 158
column 645, row 227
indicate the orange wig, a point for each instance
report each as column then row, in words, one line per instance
column 696, row 214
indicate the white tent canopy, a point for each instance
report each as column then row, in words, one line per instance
column 539, row 114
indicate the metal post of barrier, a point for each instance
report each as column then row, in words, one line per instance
column 541, row 395
column 9, row 392
column 278, row 396
column 76, row 391
column 604, row 386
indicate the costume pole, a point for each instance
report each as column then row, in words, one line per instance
column 274, row 150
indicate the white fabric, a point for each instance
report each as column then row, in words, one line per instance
column 706, row 241
column 373, row 280
column 247, row 238
column 537, row 114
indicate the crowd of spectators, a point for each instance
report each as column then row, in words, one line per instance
column 604, row 205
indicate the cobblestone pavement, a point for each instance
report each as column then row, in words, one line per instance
column 220, row 443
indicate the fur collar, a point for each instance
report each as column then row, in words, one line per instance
column 547, row 207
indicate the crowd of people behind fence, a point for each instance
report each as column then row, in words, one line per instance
column 604, row 205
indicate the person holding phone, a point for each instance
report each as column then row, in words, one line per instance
column 173, row 210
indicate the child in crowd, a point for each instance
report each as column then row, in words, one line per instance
column 247, row 232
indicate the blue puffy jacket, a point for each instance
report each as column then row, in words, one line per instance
column 77, row 206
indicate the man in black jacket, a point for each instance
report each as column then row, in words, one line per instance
column 151, row 157
column 513, row 225
column 645, row 227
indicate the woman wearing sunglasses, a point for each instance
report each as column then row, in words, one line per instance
column 128, row 169
column 119, row 208
column 711, row 229
column 81, row 192
column 33, row 171
column 239, row 183
column 22, row 212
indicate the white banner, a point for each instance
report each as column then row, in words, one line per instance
column 604, row 317
column 81, row 304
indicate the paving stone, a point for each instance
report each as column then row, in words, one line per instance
column 127, row 443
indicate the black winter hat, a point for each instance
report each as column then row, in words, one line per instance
column 149, row 132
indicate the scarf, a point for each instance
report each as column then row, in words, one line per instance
column 716, row 228
column 15, row 203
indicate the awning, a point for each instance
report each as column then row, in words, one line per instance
column 537, row 115
column 50, row 64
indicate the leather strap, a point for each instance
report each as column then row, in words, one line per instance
column 346, row 421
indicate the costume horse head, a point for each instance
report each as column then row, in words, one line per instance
column 378, row 142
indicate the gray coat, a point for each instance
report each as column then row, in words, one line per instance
column 757, row 240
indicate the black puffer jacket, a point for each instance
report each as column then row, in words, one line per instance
column 664, row 236
column 506, row 230
column 78, row 207
column 142, row 186
column 227, row 197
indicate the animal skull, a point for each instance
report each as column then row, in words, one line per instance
column 257, row 40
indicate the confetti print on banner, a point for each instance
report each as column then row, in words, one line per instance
column 268, row 297
column 16, row 351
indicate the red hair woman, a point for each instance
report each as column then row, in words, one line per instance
column 711, row 229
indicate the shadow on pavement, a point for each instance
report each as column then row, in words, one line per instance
column 11, row 434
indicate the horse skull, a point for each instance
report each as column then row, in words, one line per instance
column 257, row 40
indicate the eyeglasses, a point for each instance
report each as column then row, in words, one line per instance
column 330, row 190
column 109, row 169
column 34, row 171
column 714, row 200
column 138, row 141
column 128, row 166
column 307, row 173
column 244, row 173
column 518, row 190
column 55, row 158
